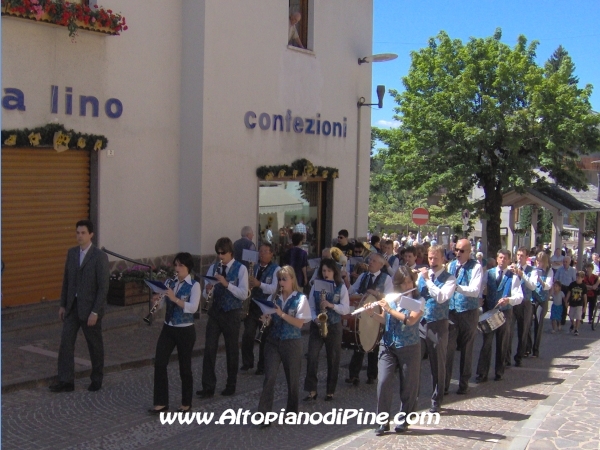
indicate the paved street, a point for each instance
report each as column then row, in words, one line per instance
column 550, row 402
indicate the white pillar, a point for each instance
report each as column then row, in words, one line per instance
column 510, row 239
column 534, row 221
column 557, row 227
column 484, row 238
column 580, row 241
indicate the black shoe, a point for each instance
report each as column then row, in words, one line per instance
column 329, row 397
column 382, row 429
column 480, row 379
column 309, row 397
column 370, row 380
column 205, row 394
column 498, row 378
column 245, row 368
column 158, row 411
column 259, row 372
column 62, row 387
column 434, row 409
column 264, row 425
column 446, row 392
column 402, row 428
column 228, row 391
column 353, row 380
column 518, row 364
column 462, row 391
column 507, row 364
column 94, row 386
column 526, row 354
column 535, row 355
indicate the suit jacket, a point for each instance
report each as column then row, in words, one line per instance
column 88, row 282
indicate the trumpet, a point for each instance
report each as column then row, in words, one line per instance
column 148, row 319
column 209, row 297
column 322, row 317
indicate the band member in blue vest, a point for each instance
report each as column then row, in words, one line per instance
column 284, row 342
column 392, row 262
column 230, row 289
column 378, row 284
column 503, row 291
column 181, row 300
column 436, row 286
column 464, row 313
column 335, row 305
column 400, row 348
column 263, row 283
column 522, row 313
column 539, row 300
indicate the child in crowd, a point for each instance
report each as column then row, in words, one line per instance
column 557, row 307
column 576, row 300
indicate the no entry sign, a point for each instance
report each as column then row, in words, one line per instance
column 420, row 216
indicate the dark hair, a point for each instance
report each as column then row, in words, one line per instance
column 224, row 244
column 85, row 223
column 330, row 264
column 343, row 233
column 186, row 259
column 411, row 249
column 297, row 238
column 375, row 239
column 523, row 250
column 267, row 244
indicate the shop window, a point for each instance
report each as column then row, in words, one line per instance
column 286, row 207
column 300, row 23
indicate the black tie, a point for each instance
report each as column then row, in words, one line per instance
column 457, row 270
column 223, row 269
column 372, row 279
column 261, row 270
column 433, row 277
column 499, row 274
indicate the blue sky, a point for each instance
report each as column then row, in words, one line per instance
column 401, row 26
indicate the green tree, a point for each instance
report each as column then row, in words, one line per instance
column 555, row 61
column 483, row 114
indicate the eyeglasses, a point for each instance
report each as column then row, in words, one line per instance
column 221, row 253
column 459, row 250
column 341, row 237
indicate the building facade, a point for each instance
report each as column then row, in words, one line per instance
column 193, row 98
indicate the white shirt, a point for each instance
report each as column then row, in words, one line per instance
column 516, row 293
column 388, row 287
column 444, row 293
column 190, row 306
column 474, row 287
column 342, row 308
column 530, row 280
column 241, row 290
column 272, row 287
column 269, row 236
column 303, row 310
column 394, row 267
column 82, row 253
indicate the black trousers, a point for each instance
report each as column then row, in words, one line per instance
column 66, row 352
column 485, row 356
column 357, row 359
column 461, row 337
column 251, row 325
column 289, row 353
column 565, row 290
column 226, row 323
column 184, row 339
column 591, row 305
column 436, row 340
column 540, row 309
column 333, row 349
column 522, row 315
column 408, row 360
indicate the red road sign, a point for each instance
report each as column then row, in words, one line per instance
column 420, row 216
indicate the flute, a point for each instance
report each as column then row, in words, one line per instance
column 371, row 305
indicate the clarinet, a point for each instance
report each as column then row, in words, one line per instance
column 148, row 319
column 209, row 297
column 265, row 323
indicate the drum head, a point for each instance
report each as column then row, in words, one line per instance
column 369, row 330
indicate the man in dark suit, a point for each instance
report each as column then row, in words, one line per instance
column 82, row 301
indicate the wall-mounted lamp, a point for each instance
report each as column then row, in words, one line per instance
column 380, row 57
column 380, row 94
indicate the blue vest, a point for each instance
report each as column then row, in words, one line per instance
column 379, row 285
column 391, row 261
column 397, row 334
column 434, row 311
column 280, row 329
column 266, row 277
column 460, row 302
column 496, row 291
column 223, row 298
column 174, row 313
column 540, row 295
column 335, row 298
column 526, row 291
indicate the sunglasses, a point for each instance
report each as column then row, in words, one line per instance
column 459, row 250
column 282, row 279
column 221, row 253
column 341, row 237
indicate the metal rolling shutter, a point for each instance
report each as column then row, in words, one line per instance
column 44, row 193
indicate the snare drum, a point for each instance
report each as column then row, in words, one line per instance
column 491, row 320
column 361, row 332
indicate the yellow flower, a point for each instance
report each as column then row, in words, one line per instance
column 281, row 173
column 81, row 142
column 325, row 173
column 12, row 140
column 334, row 175
column 269, row 176
column 98, row 145
column 34, row 139
column 294, row 173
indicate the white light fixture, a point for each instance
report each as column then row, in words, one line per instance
column 380, row 57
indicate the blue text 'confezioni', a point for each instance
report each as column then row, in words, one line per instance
column 287, row 123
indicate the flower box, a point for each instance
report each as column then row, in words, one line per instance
column 74, row 16
column 123, row 293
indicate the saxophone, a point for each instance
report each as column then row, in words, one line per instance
column 266, row 322
column 322, row 317
column 246, row 302
column 209, row 297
